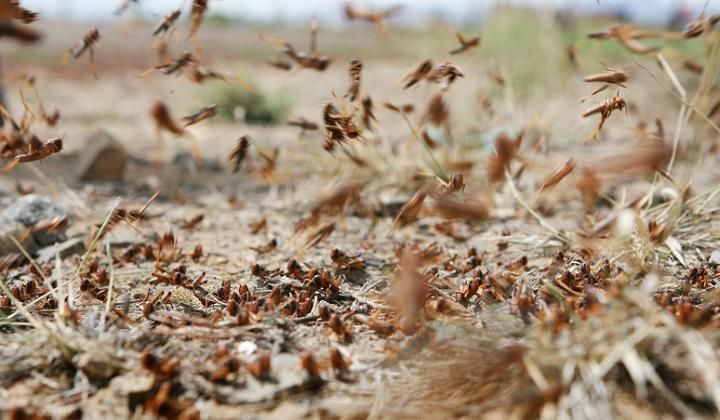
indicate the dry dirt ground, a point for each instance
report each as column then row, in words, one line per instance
column 554, row 312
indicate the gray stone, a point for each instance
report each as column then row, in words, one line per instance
column 31, row 209
column 16, row 230
column 186, row 163
column 103, row 158
column 715, row 258
column 65, row 249
column 391, row 202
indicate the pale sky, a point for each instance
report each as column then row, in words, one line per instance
column 330, row 10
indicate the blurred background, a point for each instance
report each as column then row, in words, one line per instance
column 461, row 12
column 527, row 71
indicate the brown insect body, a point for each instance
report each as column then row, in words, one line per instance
column 167, row 23
column 202, row 115
column 87, row 44
column 605, row 109
column 238, row 154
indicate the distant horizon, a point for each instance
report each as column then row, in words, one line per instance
column 329, row 11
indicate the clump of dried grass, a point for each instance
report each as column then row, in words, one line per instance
column 627, row 349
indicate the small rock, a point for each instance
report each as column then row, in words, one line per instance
column 31, row 209
column 715, row 258
column 103, row 159
column 70, row 247
column 186, row 163
column 16, row 230
column 391, row 203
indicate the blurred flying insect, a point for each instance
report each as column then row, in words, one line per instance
column 197, row 13
column 404, row 108
column 50, row 117
column 165, row 122
column 268, row 169
column 238, row 154
column 612, row 76
column 311, row 60
column 202, row 115
column 375, row 17
column 172, row 66
column 199, row 74
column 700, row 25
column 320, row 235
column 304, row 125
column 125, row 5
column 446, row 71
column 465, row 43
column 280, row 64
column 163, row 119
column 355, row 71
column 12, row 10
column 556, row 176
column 17, row 32
column 605, row 109
column 167, row 23
column 571, row 54
column 418, row 74
column 628, row 37
column 88, row 43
